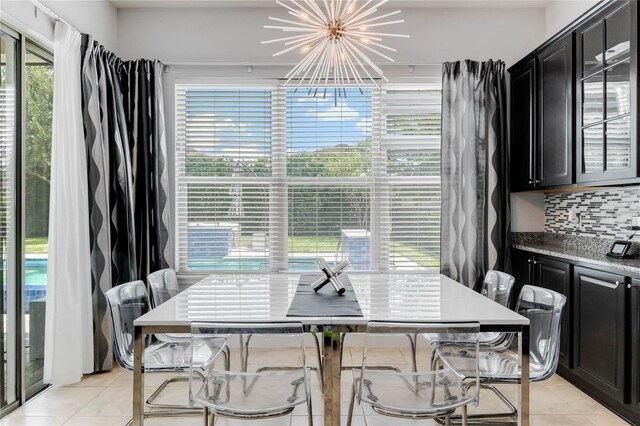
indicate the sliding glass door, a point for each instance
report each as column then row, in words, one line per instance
column 38, row 99
column 9, row 134
column 26, row 112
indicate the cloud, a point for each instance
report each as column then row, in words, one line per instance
column 364, row 124
column 337, row 113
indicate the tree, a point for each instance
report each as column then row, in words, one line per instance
column 38, row 125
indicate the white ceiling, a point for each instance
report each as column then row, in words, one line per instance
column 272, row 3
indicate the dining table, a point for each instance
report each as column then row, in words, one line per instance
column 392, row 296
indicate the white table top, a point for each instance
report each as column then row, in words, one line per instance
column 266, row 297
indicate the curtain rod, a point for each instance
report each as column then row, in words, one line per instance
column 51, row 14
column 274, row 64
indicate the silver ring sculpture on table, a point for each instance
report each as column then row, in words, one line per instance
column 331, row 276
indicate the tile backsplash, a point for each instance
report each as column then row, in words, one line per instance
column 604, row 213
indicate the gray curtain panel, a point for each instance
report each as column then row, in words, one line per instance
column 475, row 225
column 123, row 118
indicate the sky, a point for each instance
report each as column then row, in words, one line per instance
column 312, row 122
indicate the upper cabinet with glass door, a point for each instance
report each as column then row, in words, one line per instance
column 606, row 101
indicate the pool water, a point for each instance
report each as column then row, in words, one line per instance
column 35, row 273
column 35, row 276
column 253, row 264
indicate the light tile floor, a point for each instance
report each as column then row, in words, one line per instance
column 105, row 400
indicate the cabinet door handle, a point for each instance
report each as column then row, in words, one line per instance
column 537, row 181
column 531, row 171
column 632, row 285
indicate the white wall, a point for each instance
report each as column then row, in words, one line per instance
column 527, row 212
column 559, row 13
column 97, row 17
column 234, row 35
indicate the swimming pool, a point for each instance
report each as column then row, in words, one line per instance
column 254, row 264
column 35, row 272
column 35, row 276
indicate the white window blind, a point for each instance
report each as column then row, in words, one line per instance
column 223, row 171
column 410, row 144
column 271, row 179
column 329, row 157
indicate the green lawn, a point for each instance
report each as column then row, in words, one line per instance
column 303, row 244
column 36, row 245
column 422, row 257
column 312, row 244
column 296, row 245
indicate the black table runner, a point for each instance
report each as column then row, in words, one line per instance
column 326, row 302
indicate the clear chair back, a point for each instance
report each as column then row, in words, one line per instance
column 400, row 391
column 126, row 302
column 498, row 286
column 258, row 392
column 544, row 308
column 163, row 285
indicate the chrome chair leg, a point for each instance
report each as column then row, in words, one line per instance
column 352, row 402
column 309, row 407
column 464, row 415
column 159, row 390
column 434, row 360
column 319, row 358
column 413, row 343
column 486, row 418
column 205, row 415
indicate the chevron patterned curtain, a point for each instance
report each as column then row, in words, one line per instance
column 475, row 225
column 123, row 116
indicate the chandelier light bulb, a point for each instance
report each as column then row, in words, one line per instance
column 335, row 41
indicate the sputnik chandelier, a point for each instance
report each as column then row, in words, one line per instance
column 335, row 41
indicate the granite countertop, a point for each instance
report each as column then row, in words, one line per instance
column 589, row 252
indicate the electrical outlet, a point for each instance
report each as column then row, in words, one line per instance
column 575, row 218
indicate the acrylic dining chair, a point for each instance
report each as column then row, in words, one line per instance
column 422, row 394
column 163, row 285
column 251, row 395
column 497, row 286
column 500, row 364
column 126, row 303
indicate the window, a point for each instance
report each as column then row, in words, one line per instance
column 268, row 178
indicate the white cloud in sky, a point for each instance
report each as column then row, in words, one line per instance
column 337, row 112
column 364, row 124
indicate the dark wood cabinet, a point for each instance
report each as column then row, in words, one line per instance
column 574, row 104
column 606, row 101
column 542, row 96
column 556, row 276
column 599, row 338
column 522, row 270
column 634, row 336
column 555, row 121
column 523, row 131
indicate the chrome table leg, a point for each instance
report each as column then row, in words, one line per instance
column 332, row 371
column 523, row 353
column 138, row 377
